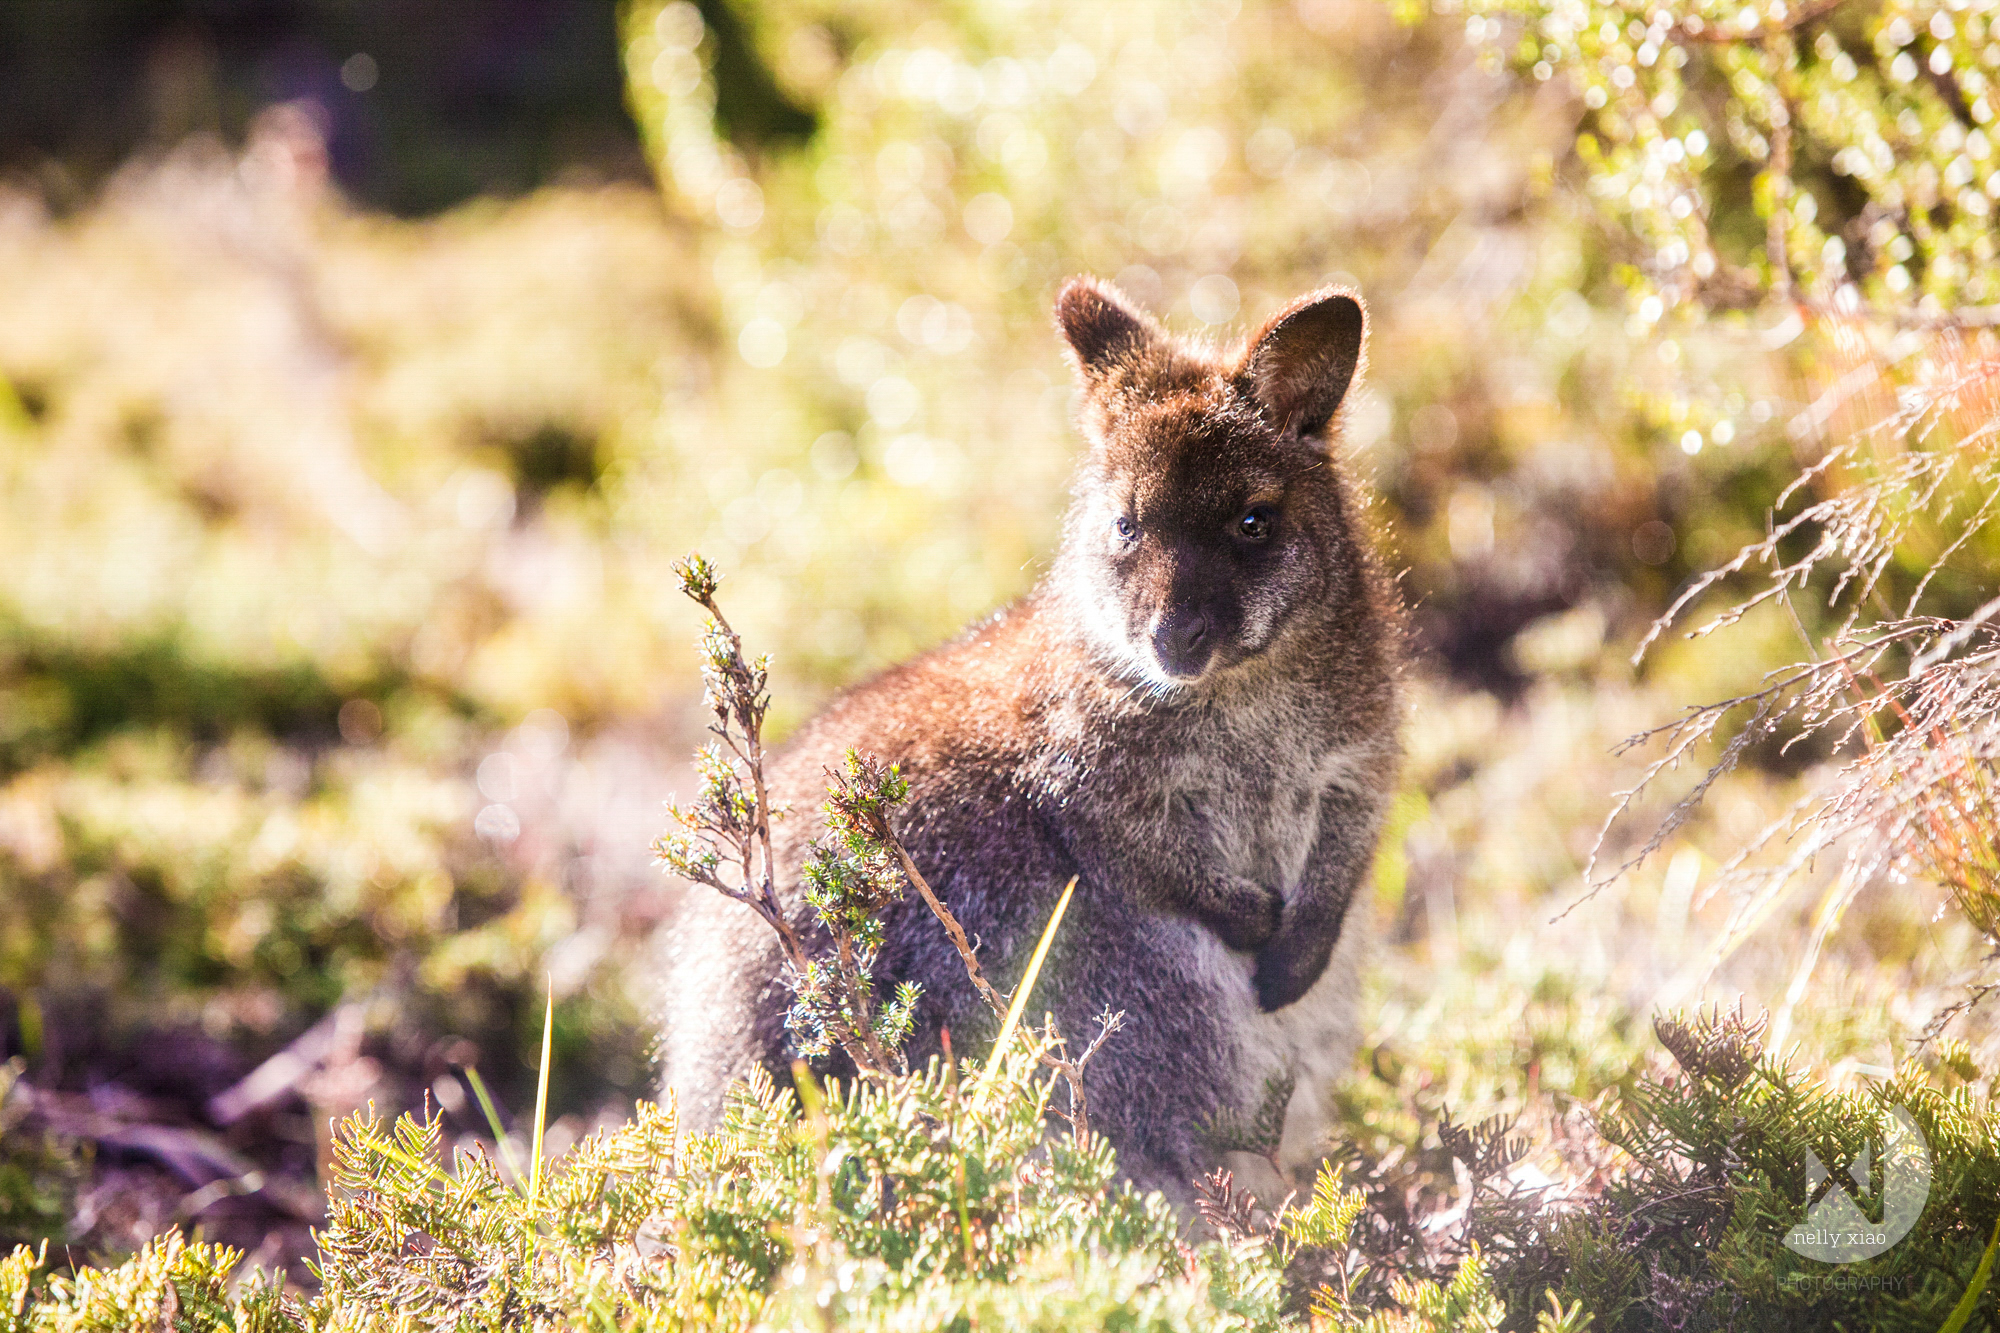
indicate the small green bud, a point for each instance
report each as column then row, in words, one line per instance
column 698, row 578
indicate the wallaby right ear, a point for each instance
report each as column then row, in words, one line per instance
column 1300, row 366
column 1101, row 329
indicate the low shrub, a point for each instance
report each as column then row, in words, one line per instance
column 941, row 1200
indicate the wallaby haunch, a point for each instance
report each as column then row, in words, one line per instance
column 1195, row 714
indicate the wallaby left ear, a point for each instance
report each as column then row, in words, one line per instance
column 1100, row 328
column 1301, row 365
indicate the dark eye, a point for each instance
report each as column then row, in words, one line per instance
column 1255, row 526
column 1127, row 528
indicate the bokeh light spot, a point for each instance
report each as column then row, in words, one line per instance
column 739, row 204
column 762, row 342
column 497, row 823
column 1213, row 299
column 892, row 400
column 359, row 72
column 1653, row 542
column 988, row 218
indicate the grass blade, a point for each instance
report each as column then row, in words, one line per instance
column 542, row 1093
column 492, row 1114
column 1020, row 1002
column 1968, row 1304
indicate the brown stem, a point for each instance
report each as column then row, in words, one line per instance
column 857, row 999
column 1078, row 1114
column 1079, row 1107
column 763, row 900
column 994, row 999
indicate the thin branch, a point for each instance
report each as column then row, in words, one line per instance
column 1694, row 30
column 994, row 999
column 730, row 816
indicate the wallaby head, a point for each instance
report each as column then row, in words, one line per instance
column 1209, row 519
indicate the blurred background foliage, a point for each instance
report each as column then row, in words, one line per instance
column 352, row 410
column 422, row 103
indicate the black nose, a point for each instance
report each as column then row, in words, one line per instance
column 1183, row 644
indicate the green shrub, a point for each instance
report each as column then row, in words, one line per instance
column 929, row 1202
column 939, row 1200
column 1713, row 1172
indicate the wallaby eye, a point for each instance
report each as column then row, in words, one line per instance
column 1255, row 526
column 1127, row 528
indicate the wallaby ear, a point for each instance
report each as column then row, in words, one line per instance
column 1102, row 330
column 1301, row 365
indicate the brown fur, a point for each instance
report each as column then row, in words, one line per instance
column 1194, row 714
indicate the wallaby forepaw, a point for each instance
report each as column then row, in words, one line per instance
column 1285, row 972
column 1249, row 922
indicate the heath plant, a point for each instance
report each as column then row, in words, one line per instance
column 723, row 841
column 1821, row 178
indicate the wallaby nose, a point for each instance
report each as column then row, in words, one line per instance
column 1183, row 643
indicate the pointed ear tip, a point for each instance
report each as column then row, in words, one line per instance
column 1338, row 298
column 1083, row 291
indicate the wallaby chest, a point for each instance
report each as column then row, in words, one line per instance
column 1244, row 778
